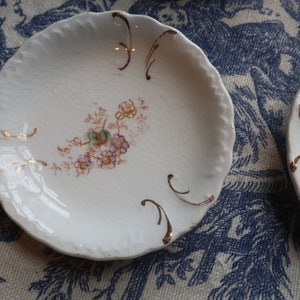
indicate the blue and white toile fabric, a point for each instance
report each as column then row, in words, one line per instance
column 246, row 246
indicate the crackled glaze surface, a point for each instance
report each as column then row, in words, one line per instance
column 98, row 112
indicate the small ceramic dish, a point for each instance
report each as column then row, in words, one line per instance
column 293, row 144
column 116, row 135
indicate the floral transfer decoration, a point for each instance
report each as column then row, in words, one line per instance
column 106, row 140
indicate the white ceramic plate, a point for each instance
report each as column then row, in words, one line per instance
column 293, row 144
column 116, row 135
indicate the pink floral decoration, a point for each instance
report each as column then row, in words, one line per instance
column 119, row 145
column 106, row 159
column 83, row 165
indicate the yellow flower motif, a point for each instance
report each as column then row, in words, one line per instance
column 127, row 109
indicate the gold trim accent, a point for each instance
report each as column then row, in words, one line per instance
column 170, row 176
column 7, row 134
column 210, row 199
column 293, row 164
column 23, row 163
column 127, row 49
column 168, row 236
column 153, row 48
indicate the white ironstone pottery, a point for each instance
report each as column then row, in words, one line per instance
column 100, row 112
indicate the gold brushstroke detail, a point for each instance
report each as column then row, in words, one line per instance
column 153, row 48
column 19, row 136
column 168, row 236
column 23, row 163
column 170, row 176
column 127, row 49
column 293, row 164
column 210, row 199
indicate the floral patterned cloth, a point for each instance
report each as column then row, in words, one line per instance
column 245, row 247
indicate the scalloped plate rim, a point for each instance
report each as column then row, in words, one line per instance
column 55, row 242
